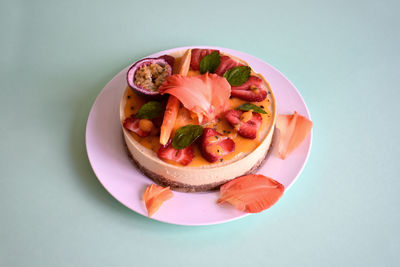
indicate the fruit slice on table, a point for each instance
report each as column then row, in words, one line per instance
column 251, row 91
column 293, row 130
column 251, row 193
column 154, row 197
column 146, row 75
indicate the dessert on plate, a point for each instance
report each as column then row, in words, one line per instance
column 197, row 118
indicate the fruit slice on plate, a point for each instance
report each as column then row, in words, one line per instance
column 251, row 193
column 155, row 196
column 293, row 130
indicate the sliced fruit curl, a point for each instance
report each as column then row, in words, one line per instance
column 293, row 130
column 251, row 193
column 155, row 196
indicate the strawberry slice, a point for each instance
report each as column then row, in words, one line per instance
column 251, row 193
column 214, row 146
column 246, row 127
column 251, row 91
column 182, row 156
column 197, row 56
column 132, row 124
column 170, row 59
column 154, row 197
column 226, row 64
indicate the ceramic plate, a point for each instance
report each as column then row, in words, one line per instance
column 115, row 171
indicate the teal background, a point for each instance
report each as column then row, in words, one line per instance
column 343, row 56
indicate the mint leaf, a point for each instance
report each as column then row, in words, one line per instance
column 249, row 106
column 150, row 110
column 238, row 75
column 210, row 63
column 186, row 135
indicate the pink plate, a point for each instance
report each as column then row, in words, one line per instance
column 109, row 160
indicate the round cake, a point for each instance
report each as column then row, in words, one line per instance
column 196, row 119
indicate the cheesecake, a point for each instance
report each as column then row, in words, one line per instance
column 221, row 127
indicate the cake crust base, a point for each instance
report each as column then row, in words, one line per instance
column 181, row 187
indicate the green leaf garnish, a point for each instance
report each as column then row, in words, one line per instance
column 210, row 63
column 150, row 110
column 249, row 106
column 186, row 135
column 238, row 75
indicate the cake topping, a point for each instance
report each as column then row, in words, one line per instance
column 252, row 90
column 146, row 75
column 252, row 107
column 293, row 130
column 210, row 63
column 183, row 156
column 214, row 146
column 245, row 127
column 238, row 75
column 146, row 125
column 198, row 55
column 173, row 104
column 155, row 196
column 150, row 110
column 186, row 135
column 133, row 124
column 246, row 116
column 227, row 63
column 206, row 95
column 251, row 193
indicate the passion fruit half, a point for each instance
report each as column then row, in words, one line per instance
column 146, row 75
